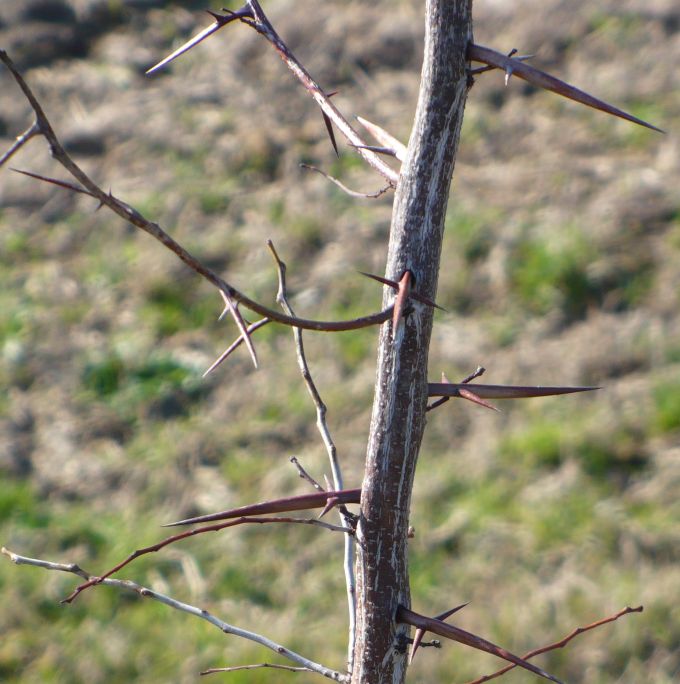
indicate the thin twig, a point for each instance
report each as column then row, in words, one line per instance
column 184, row 607
column 331, row 450
column 256, row 666
column 93, row 581
column 305, row 475
column 20, row 141
column 134, row 217
column 344, row 188
column 561, row 643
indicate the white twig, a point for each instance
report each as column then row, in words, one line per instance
column 255, row 666
column 322, row 426
column 185, row 608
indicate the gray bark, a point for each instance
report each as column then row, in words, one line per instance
column 398, row 417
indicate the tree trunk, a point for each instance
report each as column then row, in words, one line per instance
column 398, row 417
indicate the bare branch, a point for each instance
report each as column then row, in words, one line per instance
column 460, row 635
column 135, row 218
column 331, row 450
column 559, row 644
column 305, row 475
column 20, row 141
column 541, row 79
column 183, row 607
column 192, row 533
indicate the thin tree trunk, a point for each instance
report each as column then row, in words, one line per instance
column 398, row 417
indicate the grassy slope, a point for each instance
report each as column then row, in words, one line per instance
column 548, row 516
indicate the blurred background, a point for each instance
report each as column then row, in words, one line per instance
column 560, row 266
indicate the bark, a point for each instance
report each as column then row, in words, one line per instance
column 398, row 417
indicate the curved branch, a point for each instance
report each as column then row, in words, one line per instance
column 134, row 217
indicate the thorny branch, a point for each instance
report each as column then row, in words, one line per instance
column 331, row 450
column 203, row 614
column 131, row 215
column 441, row 628
column 561, row 643
column 253, row 15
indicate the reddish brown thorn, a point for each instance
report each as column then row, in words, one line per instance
column 332, row 502
column 394, row 284
column 291, row 503
column 541, row 79
column 403, row 291
column 420, row 633
column 471, row 396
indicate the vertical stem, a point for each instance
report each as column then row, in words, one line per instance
column 398, row 418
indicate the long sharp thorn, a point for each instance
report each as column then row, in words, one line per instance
column 541, row 79
column 377, row 149
column 241, row 325
column 448, row 613
column 438, row 389
column 219, row 22
column 54, row 181
column 331, row 134
column 291, row 503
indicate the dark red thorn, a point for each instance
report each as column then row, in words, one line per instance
column 403, row 291
column 291, row 503
column 332, row 502
column 395, row 285
column 54, row 181
column 331, row 134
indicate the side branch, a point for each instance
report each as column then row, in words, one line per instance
column 561, row 643
column 186, row 608
column 131, row 215
column 93, row 581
